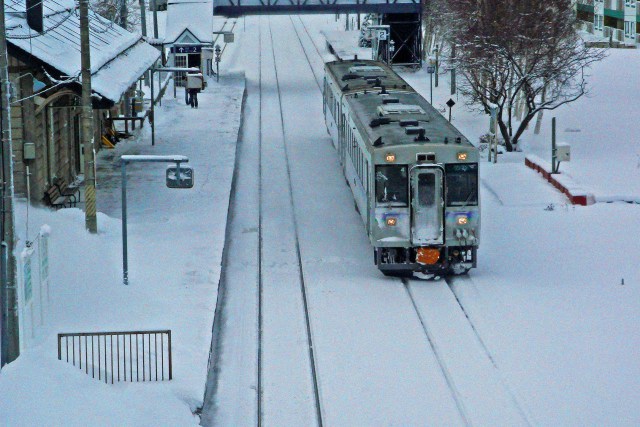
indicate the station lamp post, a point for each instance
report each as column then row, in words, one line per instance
column 218, row 53
column 437, row 64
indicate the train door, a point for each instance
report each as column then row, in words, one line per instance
column 427, row 203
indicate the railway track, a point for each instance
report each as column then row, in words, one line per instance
column 504, row 396
column 455, row 394
column 296, row 241
column 416, row 306
column 271, row 98
column 452, row 283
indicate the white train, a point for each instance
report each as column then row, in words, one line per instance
column 413, row 175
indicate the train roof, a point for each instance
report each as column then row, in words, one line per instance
column 401, row 118
column 358, row 75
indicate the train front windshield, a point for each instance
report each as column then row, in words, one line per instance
column 391, row 185
column 462, row 184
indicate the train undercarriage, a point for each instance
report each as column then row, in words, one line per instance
column 434, row 261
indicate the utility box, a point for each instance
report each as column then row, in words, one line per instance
column 228, row 37
column 137, row 104
column 29, row 151
column 195, row 81
column 563, row 152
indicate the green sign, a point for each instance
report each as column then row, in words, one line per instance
column 28, row 288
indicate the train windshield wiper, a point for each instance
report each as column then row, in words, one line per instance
column 468, row 198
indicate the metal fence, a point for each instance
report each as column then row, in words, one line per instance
column 119, row 356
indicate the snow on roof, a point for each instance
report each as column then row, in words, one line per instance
column 193, row 16
column 118, row 57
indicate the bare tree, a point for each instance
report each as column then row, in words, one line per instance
column 111, row 10
column 513, row 51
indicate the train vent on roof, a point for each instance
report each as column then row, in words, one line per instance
column 414, row 130
column 387, row 109
column 367, row 70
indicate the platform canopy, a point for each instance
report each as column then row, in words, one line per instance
column 288, row 7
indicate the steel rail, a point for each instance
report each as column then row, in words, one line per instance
column 260, row 242
column 451, row 283
column 311, row 353
column 306, row 30
column 315, row 77
column 439, row 358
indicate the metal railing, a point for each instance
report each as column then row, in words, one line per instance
column 119, row 356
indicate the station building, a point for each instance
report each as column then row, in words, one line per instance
column 43, row 43
column 617, row 21
column 189, row 35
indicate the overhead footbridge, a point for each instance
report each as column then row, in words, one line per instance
column 234, row 8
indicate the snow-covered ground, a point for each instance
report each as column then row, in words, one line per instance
column 175, row 240
column 547, row 298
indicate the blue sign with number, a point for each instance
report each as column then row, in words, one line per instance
column 186, row 49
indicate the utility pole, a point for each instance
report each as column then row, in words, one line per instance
column 10, row 348
column 143, row 23
column 91, row 221
column 143, row 18
column 123, row 14
column 453, row 68
column 155, row 19
column 437, row 64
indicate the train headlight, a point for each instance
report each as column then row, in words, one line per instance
column 462, row 156
column 462, row 220
column 392, row 221
column 390, row 158
column 427, row 256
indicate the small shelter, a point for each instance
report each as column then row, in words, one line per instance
column 189, row 35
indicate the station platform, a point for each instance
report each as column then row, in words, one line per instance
column 344, row 45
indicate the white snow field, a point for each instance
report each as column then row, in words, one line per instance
column 548, row 334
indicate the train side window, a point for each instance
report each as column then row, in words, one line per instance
column 392, row 185
column 366, row 177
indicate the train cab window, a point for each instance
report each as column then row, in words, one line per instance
column 391, row 185
column 426, row 189
column 462, row 184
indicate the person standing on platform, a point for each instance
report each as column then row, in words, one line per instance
column 195, row 83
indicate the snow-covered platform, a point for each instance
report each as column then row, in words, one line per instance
column 344, row 44
column 175, row 241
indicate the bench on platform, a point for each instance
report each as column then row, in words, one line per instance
column 71, row 191
column 55, row 199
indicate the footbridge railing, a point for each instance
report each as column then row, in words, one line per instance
column 280, row 7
